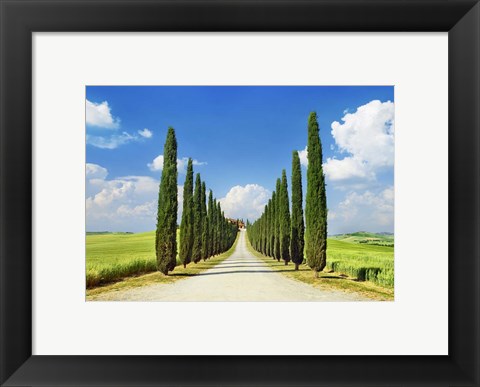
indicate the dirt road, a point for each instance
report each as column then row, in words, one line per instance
column 241, row 277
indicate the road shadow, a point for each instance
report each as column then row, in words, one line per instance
column 228, row 262
column 237, row 266
column 243, row 272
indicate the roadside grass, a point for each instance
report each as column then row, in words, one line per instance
column 328, row 279
column 156, row 277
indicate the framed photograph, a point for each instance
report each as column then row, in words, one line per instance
column 256, row 193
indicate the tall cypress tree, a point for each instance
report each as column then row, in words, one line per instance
column 166, row 232
column 273, row 237
column 284, row 220
column 219, row 228
column 264, row 230
column 214, row 228
column 210, row 215
column 186, row 226
column 316, row 201
column 297, row 226
column 278, row 210
column 204, row 254
column 197, row 220
column 269, row 228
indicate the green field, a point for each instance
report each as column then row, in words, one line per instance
column 113, row 256
column 367, row 238
column 365, row 262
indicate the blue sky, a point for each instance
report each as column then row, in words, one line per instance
column 241, row 138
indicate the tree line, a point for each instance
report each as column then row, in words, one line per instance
column 204, row 231
column 292, row 236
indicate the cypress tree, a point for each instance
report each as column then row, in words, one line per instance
column 219, row 228
column 316, row 201
column 210, row 216
column 269, row 228
column 186, row 225
column 225, row 226
column 284, row 220
column 197, row 220
column 277, row 251
column 204, row 222
column 297, row 226
column 273, row 237
column 214, row 228
column 166, row 232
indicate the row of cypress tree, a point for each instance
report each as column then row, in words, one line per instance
column 277, row 233
column 281, row 235
column 203, row 232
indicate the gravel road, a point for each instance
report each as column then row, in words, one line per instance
column 241, row 277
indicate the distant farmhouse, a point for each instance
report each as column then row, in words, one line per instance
column 239, row 222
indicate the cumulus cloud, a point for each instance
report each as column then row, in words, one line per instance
column 157, row 164
column 367, row 211
column 366, row 137
column 145, row 133
column 99, row 114
column 247, row 202
column 126, row 203
column 303, row 155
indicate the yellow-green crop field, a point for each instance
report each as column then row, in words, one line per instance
column 113, row 256
column 362, row 261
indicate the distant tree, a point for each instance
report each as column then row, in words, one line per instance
column 264, row 230
column 166, row 232
column 278, row 209
column 284, row 220
column 204, row 222
column 297, row 240
column 316, row 201
column 186, row 225
column 197, row 220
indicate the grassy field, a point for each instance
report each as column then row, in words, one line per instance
column 156, row 277
column 362, row 261
column 367, row 238
column 362, row 268
column 113, row 256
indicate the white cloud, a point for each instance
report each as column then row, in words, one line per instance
column 247, row 202
column 348, row 168
column 365, row 211
column 110, row 142
column 157, row 164
column 145, row 133
column 95, row 171
column 367, row 139
column 99, row 114
column 126, row 203
column 303, row 155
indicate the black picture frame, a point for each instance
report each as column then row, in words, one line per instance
column 20, row 18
